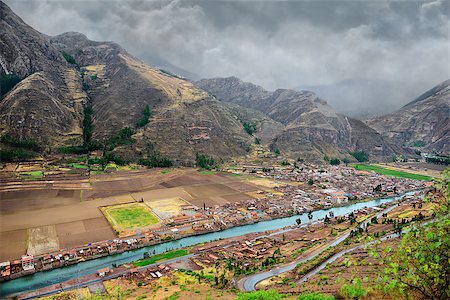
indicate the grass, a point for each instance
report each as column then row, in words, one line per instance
column 78, row 166
column 208, row 172
column 165, row 171
column 131, row 216
column 161, row 257
column 32, row 174
column 389, row 172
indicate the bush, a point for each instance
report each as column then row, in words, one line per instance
column 250, row 128
column 7, row 82
column 360, row 156
column 73, row 150
column 156, row 160
column 26, row 143
column 205, row 161
column 260, row 295
column 335, row 161
column 17, row 154
column 315, row 296
column 122, row 138
column 69, row 58
column 354, row 290
column 145, row 119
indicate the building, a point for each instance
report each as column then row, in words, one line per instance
column 27, row 262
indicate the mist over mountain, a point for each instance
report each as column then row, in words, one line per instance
column 362, row 98
column 275, row 44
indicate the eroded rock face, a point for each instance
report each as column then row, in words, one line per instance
column 24, row 50
column 311, row 127
column 423, row 122
column 47, row 105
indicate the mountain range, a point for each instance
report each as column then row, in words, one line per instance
column 74, row 92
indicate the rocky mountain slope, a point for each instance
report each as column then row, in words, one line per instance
column 311, row 127
column 63, row 75
column 423, row 123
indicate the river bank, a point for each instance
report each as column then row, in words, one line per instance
column 54, row 276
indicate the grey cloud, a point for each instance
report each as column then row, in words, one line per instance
column 271, row 43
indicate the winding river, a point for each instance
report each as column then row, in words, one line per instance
column 46, row 278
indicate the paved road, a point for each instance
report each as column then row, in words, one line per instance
column 249, row 283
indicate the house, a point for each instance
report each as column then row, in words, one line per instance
column 5, row 268
column 103, row 272
column 27, row 262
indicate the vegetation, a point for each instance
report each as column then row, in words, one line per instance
column 205, row 161
column 160, row 257
column 335, row 161
column 250, row 128
column 122, row 138
column 390, row 172
column 145, row 119
column 7, row 82
column 277, row 152
column 32, row 174
column 16, row 154
column 257, row 141
column 438, row 160
column 315, row 296
column 354, row 290
column 26, row 143
column 260, row 295
column 73, row 150
column 419, row 144
column 156, row 160
column 131, row 216
column 360, row 156
column 87, row 125
column 421, row 261
column 69, row 58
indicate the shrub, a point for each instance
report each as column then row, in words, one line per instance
column 354, row 290
column 315, row 296
column 26, row 143
column 156, row 160
column 205, row 161
column 145, row 119
column 250, row 128
column 360, row 156
column 259, row 295
column 7, row 82
column 17, row 154
column 122, row 138
column 335, row 161
column 69, row 58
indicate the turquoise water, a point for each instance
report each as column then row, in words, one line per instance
column 42, row 279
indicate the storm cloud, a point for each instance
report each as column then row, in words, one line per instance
column 276, row 44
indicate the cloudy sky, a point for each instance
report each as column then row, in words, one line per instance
column 276, row 44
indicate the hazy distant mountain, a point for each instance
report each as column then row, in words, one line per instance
column 362, row 98
column 423, row 122
column 48, row 104
column 312, row 128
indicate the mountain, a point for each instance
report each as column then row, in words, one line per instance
column 424, row 122
column 362, row 97
column 63, row 77
column 311, row 129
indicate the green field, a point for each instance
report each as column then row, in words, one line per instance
column 130, row 216
column 78, row 166
column 160, row 257
column 32, row 175
column 390, row 172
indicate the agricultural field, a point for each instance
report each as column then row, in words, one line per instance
column 390, row 172
column 161, row 257
column 70, row 203
column 127, row 217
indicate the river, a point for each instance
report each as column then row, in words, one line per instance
column 46, row 278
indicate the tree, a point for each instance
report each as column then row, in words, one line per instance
column 205, row 162
column 146, row 116
column 335, row 161
column 310, row 181
column 354, row 290
column 7, row 82
column 360, row 156
column 422, row 262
